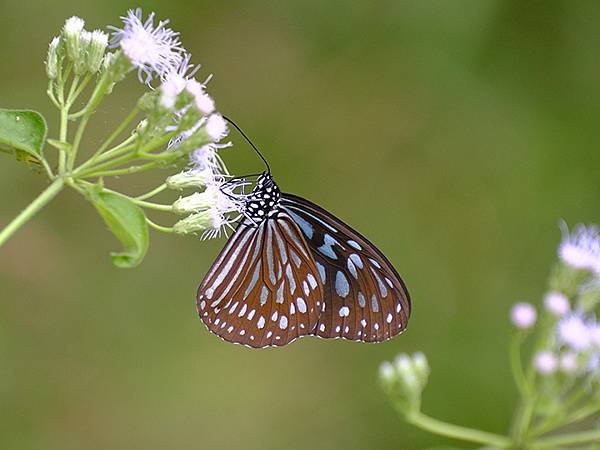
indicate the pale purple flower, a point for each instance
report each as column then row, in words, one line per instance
column 594, row 331
column 523, row 315
column 203, row 102
column 545, row 362
column 175, row 80
column 216, row 127
column 580, row 249
column 154, row 50
column 556, row 303
column 574, row 332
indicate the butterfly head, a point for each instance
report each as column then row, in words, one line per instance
column 263, row 201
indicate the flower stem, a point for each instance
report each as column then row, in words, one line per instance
column 159, row 227
column 152, row 193
column 457, row 432
column 569, row 439
column 517, row 366
column 48, row 194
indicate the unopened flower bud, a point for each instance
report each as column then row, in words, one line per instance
column 387, row 373
column 189, row 179
column 96, row 48
column 201, row 221
column 52, row 60
column 80, row 62
column 72, row 36
column 196, row 202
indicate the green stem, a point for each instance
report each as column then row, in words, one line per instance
column 517, row 366
column 48, row 194
column 152, row 193
column 159, row 227
column 124, row 171
column 100, row 91
column 457, row 432
column 64, row 123
column 115, row 134
column 569, row 439
column 150, row 205
column 77, row 141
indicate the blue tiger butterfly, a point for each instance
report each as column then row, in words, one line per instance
column 292, row 269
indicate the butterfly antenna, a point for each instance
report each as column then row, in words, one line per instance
column 249, row 142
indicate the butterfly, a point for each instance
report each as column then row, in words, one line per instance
column 292, row 269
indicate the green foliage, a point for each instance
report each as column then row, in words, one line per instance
column 127, row 222
column 22, row 133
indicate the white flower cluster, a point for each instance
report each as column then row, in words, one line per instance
column 407, row 375
column 84, row 49
column 158, row 54
column 573, row 344
column 581, row 248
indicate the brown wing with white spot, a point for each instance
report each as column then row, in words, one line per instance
column 264, row 288
column 364, row 297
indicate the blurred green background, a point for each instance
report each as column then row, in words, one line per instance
column 454, row 134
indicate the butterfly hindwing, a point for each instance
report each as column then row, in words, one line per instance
column 264, row 288
column 364, row 297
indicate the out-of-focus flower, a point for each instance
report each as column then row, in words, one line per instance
column 580, row 248
column 545, row 362
column 556, row 303
column 153, row 50
column 405, row 378
column 574, row 332
column 568, row 362
column 523, row 315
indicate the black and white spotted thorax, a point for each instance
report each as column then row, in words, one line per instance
column 263, row 201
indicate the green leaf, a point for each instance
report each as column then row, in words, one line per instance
column 127, row 221
column 22, row 133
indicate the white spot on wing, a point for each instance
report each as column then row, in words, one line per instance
column 341, row 284
column 261, row 323
column 283, row 322
column 344, row 311
column 301, row 305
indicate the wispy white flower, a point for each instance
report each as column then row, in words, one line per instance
column 154, row 50
column 574, row 332
column 580, row 249
column 545, row 362
column 203, row 102
column 216, row 127
column 556, row 303
column 174, row 81
column 523, row 315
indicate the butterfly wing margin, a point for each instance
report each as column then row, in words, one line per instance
column 365, row 298
column 263, row 289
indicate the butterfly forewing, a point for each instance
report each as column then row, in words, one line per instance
column 364, row 297
column 264, row 288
